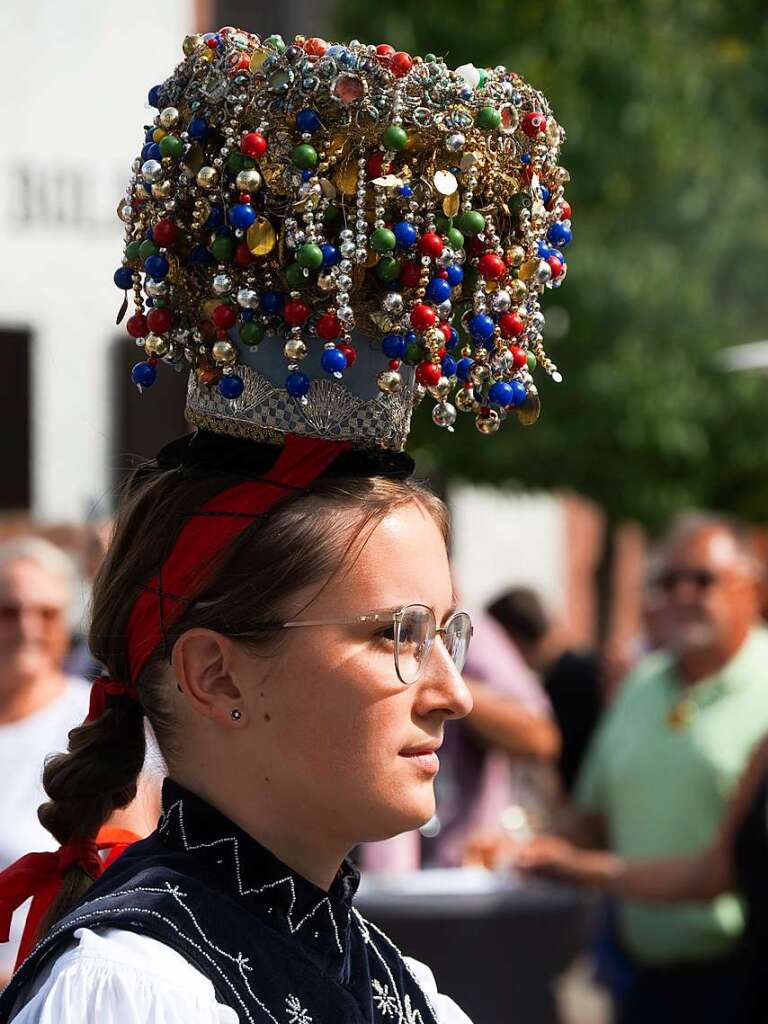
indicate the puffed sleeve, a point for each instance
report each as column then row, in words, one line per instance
column 102, row 981
column 447, row 1011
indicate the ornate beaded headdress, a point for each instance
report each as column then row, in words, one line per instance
column 328, row 232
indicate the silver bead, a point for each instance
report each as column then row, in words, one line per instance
column 392, row 303
column 345, row 314
column 389, row 381
column 500, row 301
column 445, row 310
column 248, row 298
column 169, row 117
column 248, row 181
column 155, row 289
column 295, row 349
column 151, row 170
column 222, row 284
column 444, row 415
column 543, row 273
column 455, row 142
column 347, row 249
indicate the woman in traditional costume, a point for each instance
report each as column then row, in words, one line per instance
column 325, row 233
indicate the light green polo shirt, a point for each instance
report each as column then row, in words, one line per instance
column 663, row 789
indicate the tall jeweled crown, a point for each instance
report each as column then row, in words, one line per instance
column 328, row 232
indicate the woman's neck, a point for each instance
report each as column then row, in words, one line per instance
column 304, row 850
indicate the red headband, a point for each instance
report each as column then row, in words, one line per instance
column 206, row 534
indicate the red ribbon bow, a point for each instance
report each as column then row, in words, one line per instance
column 101, row 689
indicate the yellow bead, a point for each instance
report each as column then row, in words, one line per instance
column 260, row 237
column 224, row 353
column 207, row 177
column 158, row 134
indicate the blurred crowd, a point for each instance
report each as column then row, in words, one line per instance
column 651, row 790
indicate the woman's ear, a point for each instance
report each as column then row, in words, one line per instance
column 203, row 663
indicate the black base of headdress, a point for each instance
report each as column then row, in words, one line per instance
column 205, row 454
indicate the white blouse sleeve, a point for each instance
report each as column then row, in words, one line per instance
column 120, row 977
column 447, row 1011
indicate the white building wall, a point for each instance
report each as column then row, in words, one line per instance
column 73, row 83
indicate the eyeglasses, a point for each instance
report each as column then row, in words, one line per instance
column 413, row 633
column 701, row 579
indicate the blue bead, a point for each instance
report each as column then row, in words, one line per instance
column 560, row 235
column 231, row 386
column 156, row 267
column 455, row 275
column 449, row 366
column 123, row 278
column 143, row 374
column 481, row 327
column 466, row 94
column 333, row 360
column 297, row 384
column 198, row 128
column 463, row 367
column 148, row 234
column 307, row 121
column 405, row 234
column 246, row 315
column 334, row 51
column 215, row 217
column 410, row 337
column 525, row 158
column 542, row 250
column 153, row 153
column 453, row 341
column 519, row 394
column 331, row 255
column 272, row 302
column 154, row 96
column 405, row 191
column 438, row 290
column 545, row 194
column 145, row 151
column 500, row 393
column 200, row 256
column 306, row 175
column 242, row 215
column 558, row 254
column 394, row 346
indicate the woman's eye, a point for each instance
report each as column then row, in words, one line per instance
column 387, row 633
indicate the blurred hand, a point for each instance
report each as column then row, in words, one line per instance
column 496, row 850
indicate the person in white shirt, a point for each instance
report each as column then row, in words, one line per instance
column 39, row 704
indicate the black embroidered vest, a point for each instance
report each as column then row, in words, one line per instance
column 275, row 947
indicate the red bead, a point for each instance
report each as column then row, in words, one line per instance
column 243, row 255
column 475, row 246
column 375, row 165
column 431, row 244
column 224, row 317
column 527, row 173
column 428, row 374
column 245, row 197
column 315, row 46
column 244, row 63
column 422, row 316
column 491, row 266
column 296, row 312
column 394, row 364
column 329, row 327
column 136, row 326
column 159, row 320
column 565, row 211
column 533, row 124
column 254, row 145
column 555, row 265
column 442, row 353
column 213, row 43
column 443, row 274
column 384, row 50
column 519, row 355
column 510, row 325
column 349, row 352
column 400, row 64
column 446, row 329
column 410, row 275
column 165, row 232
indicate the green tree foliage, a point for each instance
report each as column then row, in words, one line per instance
column 665, row 107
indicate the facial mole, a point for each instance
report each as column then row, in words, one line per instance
column 267, row 718
column 261, row 694
column 266, row 778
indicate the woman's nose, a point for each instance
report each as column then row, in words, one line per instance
column 441, row 687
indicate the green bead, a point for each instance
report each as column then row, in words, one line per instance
column 443, row 224
column 237, row 162
column 133, row 251
column 414, row 353
column 310, row 256
column 331, row 215
column 430, row 58
column 223, row 248
column 395, row 137
column 388, row 268
column 488, row 118
column 147, row 248
column 383, row 240
column 531, row 360
column 472, row 222
column 304, row 157
column 251, row 333
column 455, row 238
column 171, row 146
column 275, row 41
column 483, row 77
column 294, row 275
column 518, row 202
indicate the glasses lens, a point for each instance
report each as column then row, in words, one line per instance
column 457, row 636
column 415, row 636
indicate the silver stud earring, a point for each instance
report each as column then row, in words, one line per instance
column 236, row 714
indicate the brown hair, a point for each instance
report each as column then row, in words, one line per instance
column 302, row 541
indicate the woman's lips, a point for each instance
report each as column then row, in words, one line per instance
column 427, row 760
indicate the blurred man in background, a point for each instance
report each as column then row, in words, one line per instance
column 39, row 703
column 665, row 759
